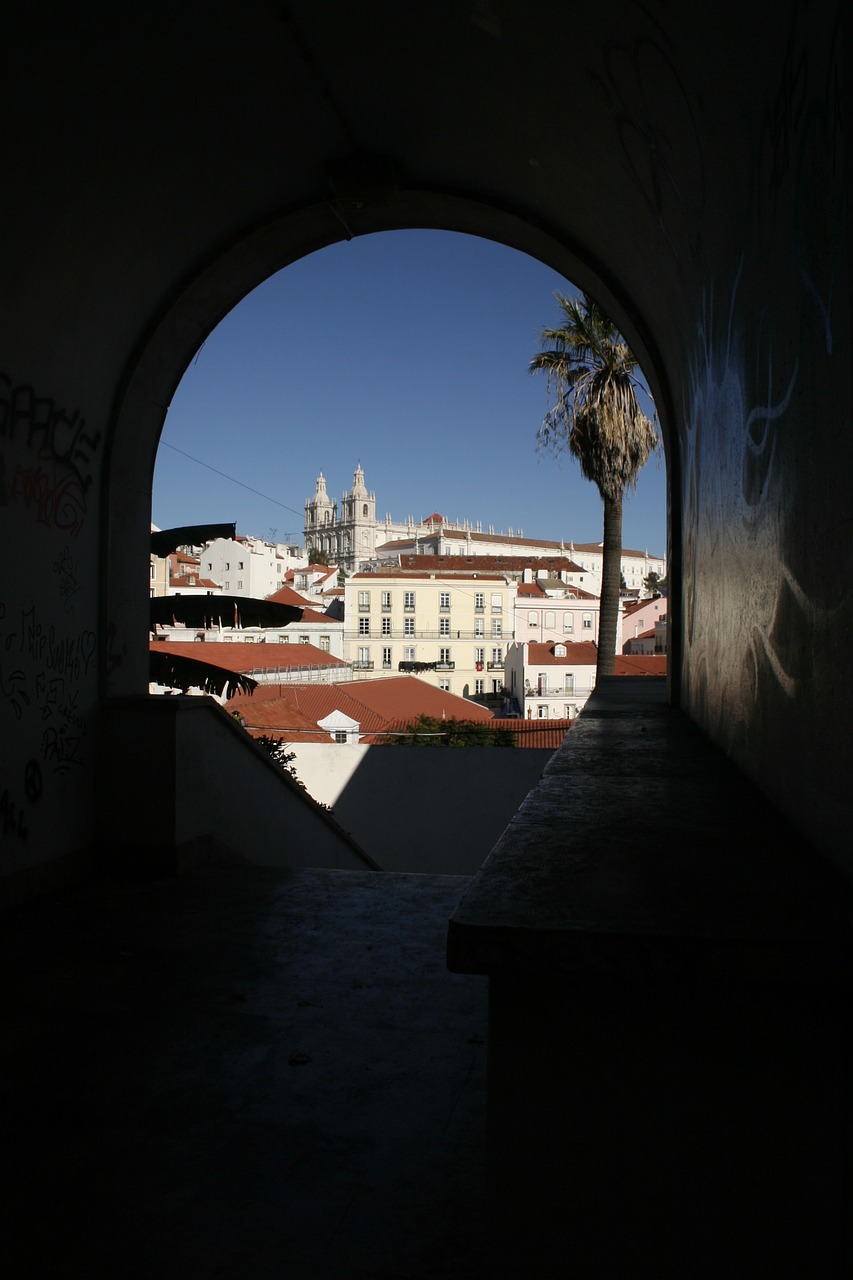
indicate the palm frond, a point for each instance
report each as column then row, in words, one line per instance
column 593, row 408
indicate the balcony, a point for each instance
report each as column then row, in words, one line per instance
column 494, row 666
column 445, row 666
column 362, row 666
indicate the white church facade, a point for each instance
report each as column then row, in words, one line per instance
column 354, row 539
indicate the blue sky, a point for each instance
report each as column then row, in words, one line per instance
column 407, row 352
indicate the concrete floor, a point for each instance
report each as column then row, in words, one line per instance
column 243, row 1073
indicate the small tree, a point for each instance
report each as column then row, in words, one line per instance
column 277, row 750
column 429, row 731
column 653, row 582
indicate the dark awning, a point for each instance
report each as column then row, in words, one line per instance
column 202, row 611
column 164, row 541
column 191, row 673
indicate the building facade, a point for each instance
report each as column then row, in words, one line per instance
column 245, row 566
column 454, row 630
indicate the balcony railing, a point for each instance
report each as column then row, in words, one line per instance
column 495, row 666
column 445, row 666
column 399, row 632
column 362, row 666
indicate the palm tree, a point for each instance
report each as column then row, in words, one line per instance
column 592, row 378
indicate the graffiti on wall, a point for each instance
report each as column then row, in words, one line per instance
column 41, row 672
column 52, row 480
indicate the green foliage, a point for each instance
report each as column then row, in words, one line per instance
column 277, row 750
column 429, row 731
column 654, row 583
column 592, row 377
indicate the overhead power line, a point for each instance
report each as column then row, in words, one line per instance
column 233, row 479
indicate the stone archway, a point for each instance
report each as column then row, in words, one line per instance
column 208, row 297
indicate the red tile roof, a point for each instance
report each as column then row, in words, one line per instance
column 244, row 658
column 497, row 563
column 582, row 653
column 315, row 615
column 537, row 733
column 419, row 575
column 411, row 696
column 640, row 664
column 286, row 595
column 381, row 707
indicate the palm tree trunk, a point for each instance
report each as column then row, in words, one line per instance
column 611, row 579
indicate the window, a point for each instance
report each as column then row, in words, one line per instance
column 408, row 626
column 227, row 586
column 479, row 601
column 364, row 599
column 363, row 656
column 240, row 564
column 386, row 599
column 444, row 684
column 498, row 656
column 409, row 654
column 444, row 655
column 479, row 655
column 570, row 683
column 587, row 622
column 209, row 567
column 239, row 584
column 549, row 619
column 497, row 627
column 479, row 627
column 278, row 568
column 568, row 622
column 444, row 600
column 532, row 619
column 325, row 644
column 542, row 711
column 152, row 573
column 386, row 659
column 227, row 564
column 444, row 626
column 340, row 735
column 479, row 686
column 386, row 626
column 364, row 509
column 497, row 602
column 304, row 639
column 409, row 600
column 364, row 626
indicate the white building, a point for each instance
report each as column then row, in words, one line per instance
column 643, row 617
column 586, row 557
column 549, row 608
column 551, row 680
column 249, row 566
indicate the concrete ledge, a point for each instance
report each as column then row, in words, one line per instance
column 643, row 851
column 669, row 1015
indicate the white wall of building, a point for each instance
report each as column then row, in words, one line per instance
column 421, row 809
column 248, row 566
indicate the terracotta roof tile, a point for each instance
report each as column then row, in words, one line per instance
column 286, row 595
column 241, row 657
column 581, row 653
column 640, row 664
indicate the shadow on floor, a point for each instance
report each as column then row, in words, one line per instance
column 244, row 1073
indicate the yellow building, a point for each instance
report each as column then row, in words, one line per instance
column 453, row 629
